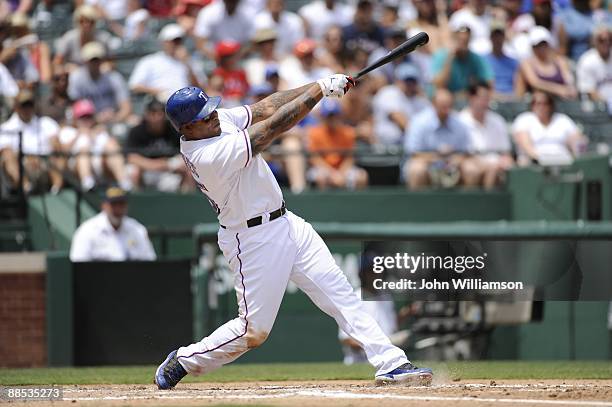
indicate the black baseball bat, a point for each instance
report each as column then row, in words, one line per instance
column 410, row 45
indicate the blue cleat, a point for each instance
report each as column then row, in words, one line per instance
column 169, row 373
column 406, row 374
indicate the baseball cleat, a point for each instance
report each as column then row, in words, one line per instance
column 406, row 374
column 169, row 373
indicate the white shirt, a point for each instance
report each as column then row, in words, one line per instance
column 94, row 144
column 160, row 71
column 8, row 86
column 551, row 140
column 133, row 21
column 214, row 24
column 320, row 18
column 37, row 134
column 97, row 240
column 289, row 29
column 391, row 99
column 480, row 41
column 595, row 74
column 487, row 137
column 239, row 186
column 114, row 9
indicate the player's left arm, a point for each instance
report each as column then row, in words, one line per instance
column 266, row 107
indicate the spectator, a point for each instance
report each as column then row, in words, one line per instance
column 135, row 24
column 320, row 15
column 476, row 15
column 57, row 103
column 576, row 25
column 111, row 235
column 222, row 20
column 264, row 42
column 107, row 90
column 488, row 135
column 394, row 37
column 505, row 69
column 431, row 18
column 541, row 15
column 28, row 58
column 364, row 32
column 395, row 104
column 335, row 169
column 68, row 46
column 333, row 54
column 187, row 11
column 545, row 136
column 546, row 70
column 167, row 70
column 302, row 68
column 439, row 147
column 507, row 11
column 457, row 68
column 153, row 151
column 98, row 155
column 39, row 139
column 289, row 26
column 229, row 78
column 594, row 71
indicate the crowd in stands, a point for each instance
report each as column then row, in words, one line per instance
column 85, row 83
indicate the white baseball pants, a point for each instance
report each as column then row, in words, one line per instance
column 264, row 258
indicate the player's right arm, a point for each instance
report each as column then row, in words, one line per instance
column 287, row 114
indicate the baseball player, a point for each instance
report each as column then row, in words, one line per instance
column 265, row 245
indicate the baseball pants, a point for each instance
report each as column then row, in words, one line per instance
column 264, row 259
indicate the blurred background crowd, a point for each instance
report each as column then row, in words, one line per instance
column 501, row 83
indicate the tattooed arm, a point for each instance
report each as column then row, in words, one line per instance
column 285, row 116
column 266, row 107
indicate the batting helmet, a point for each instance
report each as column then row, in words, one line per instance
column 190, row 104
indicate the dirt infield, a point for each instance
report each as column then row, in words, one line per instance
column 347, row 393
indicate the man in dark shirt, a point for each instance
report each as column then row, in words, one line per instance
column 364, row 32
column 153, row 152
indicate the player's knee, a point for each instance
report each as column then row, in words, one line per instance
column 255, row 338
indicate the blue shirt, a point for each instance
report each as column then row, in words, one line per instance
column 427, row 134
column 464, row 71
column 504, row 68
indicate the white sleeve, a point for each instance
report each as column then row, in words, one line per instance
column 146, row 251
column 522, row 123
column 586, row 78
column 569, row 126
column 79, row 248
column 201, row 28
column 139, row 74
column 240, row 116
column 8, row 86
column 232, row 153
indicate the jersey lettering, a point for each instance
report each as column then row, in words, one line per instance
column 200, row 185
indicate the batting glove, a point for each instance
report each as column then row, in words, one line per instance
column 336, row 86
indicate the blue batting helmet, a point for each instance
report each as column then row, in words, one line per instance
column 190, row 104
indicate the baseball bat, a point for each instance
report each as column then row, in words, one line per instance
column 408, row 46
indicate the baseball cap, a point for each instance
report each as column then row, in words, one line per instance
column 92, row 50
column 83, row 107
column 190, row 104
column 226, row 48
column 271, row 70
column 330, row 107
column 497, row 26
column 264, row 34
column 538, row 35
column 115, row 194
column 304, row 47
column 24, row 96
column 457, row 26
column 86, row 11
column 19, row 20
column 406, row 71
column 171, row 32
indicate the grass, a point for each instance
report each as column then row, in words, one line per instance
column 310, row 371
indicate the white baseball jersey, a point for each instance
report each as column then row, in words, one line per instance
column 238, row 185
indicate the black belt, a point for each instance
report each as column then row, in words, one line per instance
column 258, row 220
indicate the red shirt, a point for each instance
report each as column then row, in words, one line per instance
column 235, row 84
